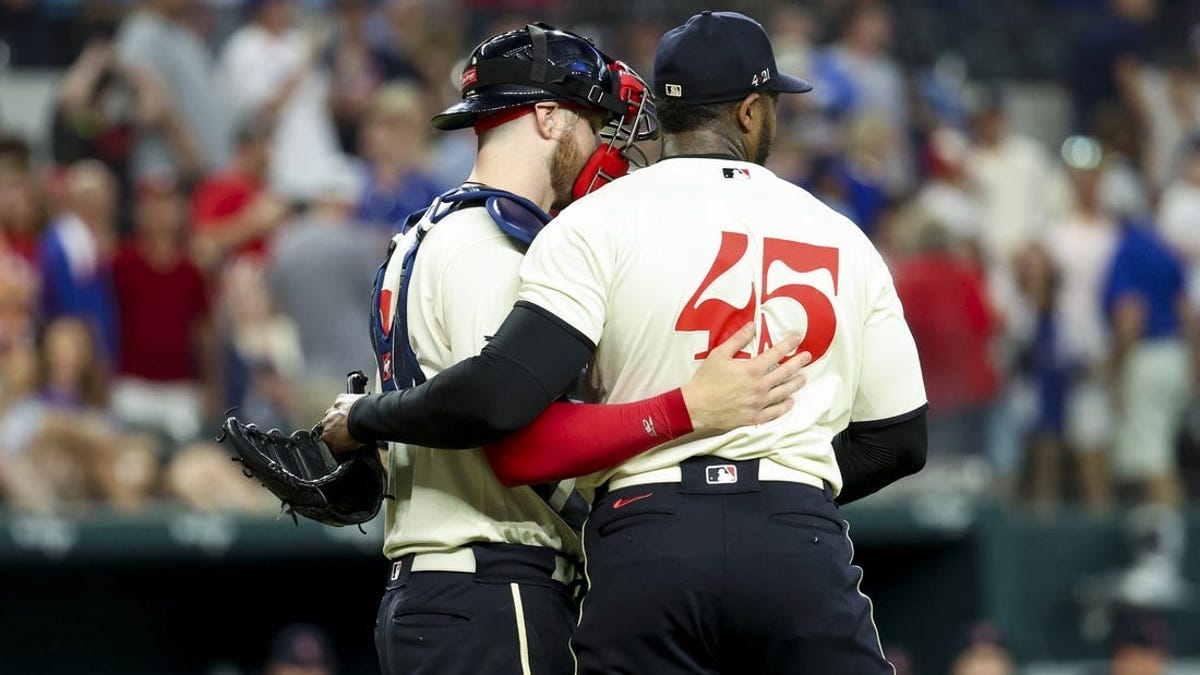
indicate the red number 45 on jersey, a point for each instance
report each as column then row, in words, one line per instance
column 720, row 319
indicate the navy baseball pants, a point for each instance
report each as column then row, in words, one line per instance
column 509, row 617
column 728, row 578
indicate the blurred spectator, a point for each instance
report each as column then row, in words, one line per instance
column 418, row 39
column 849, row 179
column 984, row 654
column 1124, row 187
column 232, row 211
column 357, row 68
column 75, row 254
column 168, row 364
column 856, row 77
column 944, row 94
column 18, row 310
column 270, row 67
column 1171, row 94
column 1179, row 217
column 1018, row 185
column 15, row 154
column 301, row 649
column 1138, row 644
column 394, row 136
column 867, row 140
column 828, row 181
column 953, row 326
column 1082, row 246
column 106, row 109
column 948, row 198
column 1143, row 295
column 265, row 353
column 1043, row 376
column 321, row 272
column 155, row 37
column 1104, row 65
column 22, row 213
column 62, row 451
column 793, row 31
column 200, row 477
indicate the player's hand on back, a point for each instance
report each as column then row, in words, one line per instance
column 727, row 393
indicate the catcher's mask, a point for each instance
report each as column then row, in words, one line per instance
column 508, row 73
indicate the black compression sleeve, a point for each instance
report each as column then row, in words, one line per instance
column 533, row 358
column 873, row 455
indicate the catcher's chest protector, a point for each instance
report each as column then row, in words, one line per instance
column 399, row 368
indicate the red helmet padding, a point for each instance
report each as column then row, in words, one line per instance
column 606, row 164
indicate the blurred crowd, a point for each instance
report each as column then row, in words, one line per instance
column 220, row 180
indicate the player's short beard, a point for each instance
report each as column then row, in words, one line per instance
column 565, row 165
column 766, row 133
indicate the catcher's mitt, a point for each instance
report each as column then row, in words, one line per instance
column 301, row 471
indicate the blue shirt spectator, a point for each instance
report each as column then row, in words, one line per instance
column 1144, row 266
column 385, row 205
column 76, row 281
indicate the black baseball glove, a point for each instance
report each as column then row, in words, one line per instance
column 301, row 471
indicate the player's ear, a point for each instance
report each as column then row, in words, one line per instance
column 547, row 115
column 748, row 114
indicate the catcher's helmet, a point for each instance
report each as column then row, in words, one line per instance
column 543, row 63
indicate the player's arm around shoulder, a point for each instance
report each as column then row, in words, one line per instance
column 571, row 439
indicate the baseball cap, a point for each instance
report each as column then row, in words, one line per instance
column 716, row 57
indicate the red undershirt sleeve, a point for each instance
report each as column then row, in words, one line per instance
column 573, row 439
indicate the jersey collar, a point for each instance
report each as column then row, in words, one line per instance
column 717, row 155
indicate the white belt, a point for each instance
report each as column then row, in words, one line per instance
column 768, row 470
column 463, row 560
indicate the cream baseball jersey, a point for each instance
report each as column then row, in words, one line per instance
column 464, row 282
column 661, row 266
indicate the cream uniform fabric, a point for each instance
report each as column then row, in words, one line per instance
column 465, row 280
column 647, row 266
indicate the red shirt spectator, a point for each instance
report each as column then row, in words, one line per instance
column 160, row 304
column 222, row 198
column 233, row 212
column 952, row 323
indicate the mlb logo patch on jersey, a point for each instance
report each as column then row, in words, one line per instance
column 738, row 174
column 387, row 366
column 721, row 474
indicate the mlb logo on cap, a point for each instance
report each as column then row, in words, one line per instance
column 674, row 90
column 720, row 474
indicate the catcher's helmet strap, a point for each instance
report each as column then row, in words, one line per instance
column 541, row 52
column 553, row 79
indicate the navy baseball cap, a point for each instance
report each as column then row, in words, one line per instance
column 716, row 57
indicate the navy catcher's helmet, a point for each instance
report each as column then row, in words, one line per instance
column 542, row 63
